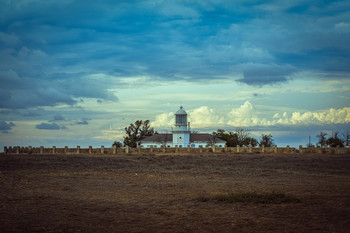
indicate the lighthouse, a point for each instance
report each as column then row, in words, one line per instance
column 181, row 133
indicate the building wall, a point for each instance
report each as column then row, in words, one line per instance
column 181, row 138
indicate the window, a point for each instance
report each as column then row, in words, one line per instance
column 155, row 146
column 193, row 145
column 180, row 146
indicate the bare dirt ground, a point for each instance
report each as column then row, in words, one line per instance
column 162, row 193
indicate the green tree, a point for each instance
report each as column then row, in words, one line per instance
column 335, row 141
column 136, row 132
column 322, row 138
column 346, row 137
column 266, row 140
column 239, row 137
column 117, row 144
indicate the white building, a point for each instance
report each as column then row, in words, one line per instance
column 181, row 136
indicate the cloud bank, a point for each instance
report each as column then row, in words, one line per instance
column 55, row 52
column 247, row 115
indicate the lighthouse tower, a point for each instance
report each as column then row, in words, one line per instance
column 181, row 134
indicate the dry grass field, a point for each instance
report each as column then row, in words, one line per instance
column 169, row 193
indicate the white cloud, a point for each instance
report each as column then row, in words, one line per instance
column 164, row 120
column 247, row 115
column 204, row 117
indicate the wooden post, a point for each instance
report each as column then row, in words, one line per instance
column 176, row 149
column 17, row 149
column 188, row 148
column 163, row 148
column 139, row 149
column 41, row 150
column 66, row 149
column 300, row 149
column 238, row 148
column 102, row 149
column 213, row 148
column 288, row 149
column 78, row 149
column 5, row 150
column 114, row 149
column 90, row 150
column 225, row 148
column 275, row 149
column 127, row 149
column 54, row 150
column 250, row 149
column 200, row 148
column 262, row 149
column 151, row 148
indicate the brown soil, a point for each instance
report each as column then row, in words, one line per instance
column 164, row 193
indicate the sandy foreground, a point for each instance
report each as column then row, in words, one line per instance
column 164, row 193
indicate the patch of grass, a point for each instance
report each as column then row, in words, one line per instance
column 253, row 197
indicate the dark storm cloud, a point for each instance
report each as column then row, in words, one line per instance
column 49, row 126
column 6, row 127
column 83, row 121
column 58, row 117
column 54, row 52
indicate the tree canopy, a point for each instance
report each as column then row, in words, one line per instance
column 239, row 137
column 266, row 140
column 136, row 132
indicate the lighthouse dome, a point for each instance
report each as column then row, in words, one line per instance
column 181, row 111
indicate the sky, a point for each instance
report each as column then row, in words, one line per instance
column 78, row 72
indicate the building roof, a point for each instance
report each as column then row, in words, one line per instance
column 204, row 137
column 194, row 137
column 181, row 111
column 160, row 137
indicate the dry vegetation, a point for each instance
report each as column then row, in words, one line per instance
column 165, row 193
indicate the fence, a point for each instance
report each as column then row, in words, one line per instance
column 177, row 150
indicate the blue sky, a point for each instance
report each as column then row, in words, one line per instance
column 77, row 72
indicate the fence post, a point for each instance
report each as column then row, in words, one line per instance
column 176, row 149
column 53, row 149
column 300, row 149
column 66, row 149
column 188, row 148
column 200, row 148
column 17, row 149
column 78, row 149
column 262, row 149
column 90, row 150
column 213, row 148
column 102, row 149
column 250, row 149
column 288, row 149
column 151, row 148
column 41, row 149
column 275, row 149
column 139, row 149
column 5, row 149
column 114, row 149
column 238, row 149
column 127, row 149
column 225, row 148
column 163, row 148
